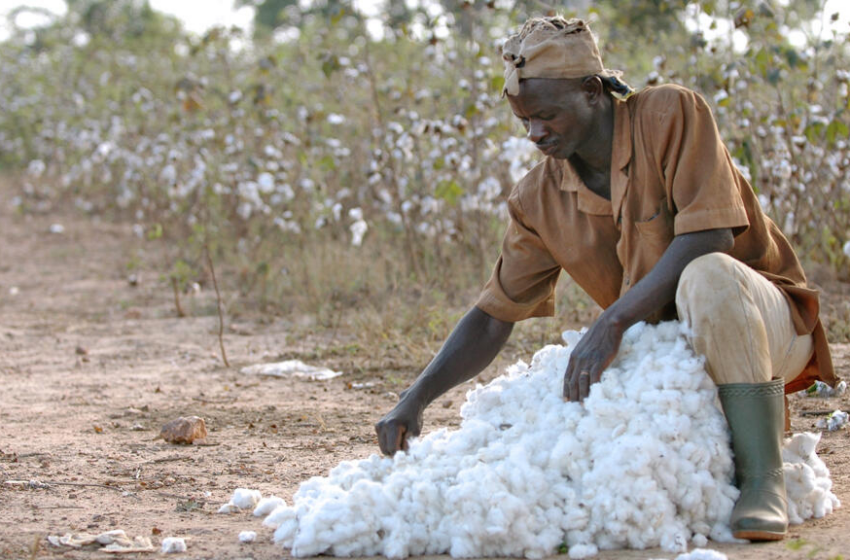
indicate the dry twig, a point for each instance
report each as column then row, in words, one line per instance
column 218, row 301
column 176, row 286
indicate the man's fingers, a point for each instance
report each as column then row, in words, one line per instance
column 583, row 385
column 568, row 379
column 400, row 440
column 575, row 395
column 596, row 375
column 388, row 434
column 382, row 440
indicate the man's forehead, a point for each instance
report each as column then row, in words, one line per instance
column 543, row 91
column 532, row 87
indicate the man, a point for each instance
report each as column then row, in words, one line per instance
column 639, row 201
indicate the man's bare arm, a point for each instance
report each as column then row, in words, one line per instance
column 472, row 345
column 599, row 346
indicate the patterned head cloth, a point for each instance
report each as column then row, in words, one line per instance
column 555, row 48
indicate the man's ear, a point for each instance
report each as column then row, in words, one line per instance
column 593, row 88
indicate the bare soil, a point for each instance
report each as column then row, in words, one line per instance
column 91, row 367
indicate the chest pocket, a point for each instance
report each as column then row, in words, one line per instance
column 657, row 230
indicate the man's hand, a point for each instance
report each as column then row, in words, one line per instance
column 594, row 352
column 598, row 347
column 402, row 422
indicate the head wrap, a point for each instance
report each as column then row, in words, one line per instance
column 556, row 48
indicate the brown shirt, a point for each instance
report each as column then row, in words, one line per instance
column 671, row 174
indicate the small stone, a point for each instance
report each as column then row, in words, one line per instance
column 189, row 429
column 81, row 351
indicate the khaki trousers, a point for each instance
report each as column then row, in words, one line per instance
column 740, row 322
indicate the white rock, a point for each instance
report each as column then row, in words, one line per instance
column 173, row 545
column 247, row 536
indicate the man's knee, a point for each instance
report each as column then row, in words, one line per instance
column 709, row 280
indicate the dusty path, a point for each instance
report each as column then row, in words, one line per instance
column 91, row 367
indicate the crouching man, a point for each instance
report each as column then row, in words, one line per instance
column 639, row 202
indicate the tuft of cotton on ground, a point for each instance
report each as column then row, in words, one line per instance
column 173, row 545
column 836, row 420
column 822, row 390
column 807, row 482
column 292, row 368
column 243, row 498
column 247, row 536
column 645, row 462
column 267, row 505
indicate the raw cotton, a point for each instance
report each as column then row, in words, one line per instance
column 247, row 536
column 822, row 390
column 836, row 420
column 807, row 481
column 173, row 545
column 702, row 554
column 267, row 505
column 644, row 462
column 243, row 498
column 292, row 368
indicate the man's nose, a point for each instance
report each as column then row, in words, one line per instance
column 536, row 131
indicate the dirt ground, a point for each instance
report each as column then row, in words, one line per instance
column 91, row 368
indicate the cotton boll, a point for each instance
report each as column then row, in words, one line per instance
column 835, row 421
column 268, row 505
column 699, row 540
column 702, row 554
column 579, row 551
column 643, row 462
column 173, row 545
column 244, row 498
column 247, row 536
column 229, row 507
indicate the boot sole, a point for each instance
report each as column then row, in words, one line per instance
column 759, row 535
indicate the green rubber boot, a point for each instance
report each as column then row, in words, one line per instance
column 755, row 413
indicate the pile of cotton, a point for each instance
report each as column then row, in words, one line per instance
column 807, row 481
column 644, row 462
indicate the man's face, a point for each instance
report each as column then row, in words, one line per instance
column 557, row 114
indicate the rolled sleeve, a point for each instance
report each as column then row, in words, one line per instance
column 523, row 281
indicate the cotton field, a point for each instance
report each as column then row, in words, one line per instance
column 334, row 135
